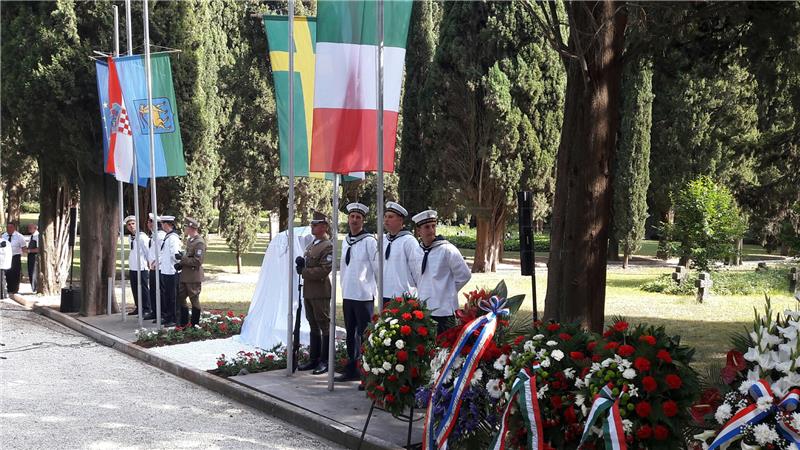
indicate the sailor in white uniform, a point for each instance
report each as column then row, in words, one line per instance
column 156, row 234
column 442, row 271
column 168, row 275
column 359, row 266
column 401, row 254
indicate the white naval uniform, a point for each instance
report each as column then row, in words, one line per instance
column 17, row 242
column 358, row 277
column 445, row 274
column 169, row 247
column 399, row 270
column 151, row 249
column 137, row 257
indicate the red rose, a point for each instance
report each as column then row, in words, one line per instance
column 405, row 330
column 420, row 350
column 398, row 299
column 670, row 408
column 405, row 389
column 649, row 383
column 394, row 310
column 644, row 432
column 673, row 381
column 591, row 345
column 402, row 356
column 406, row 316
column 625, row 350
column 422, row 331
column 553, row 327
column 569, row 415
column 565, row 336
column 392, row 378
column 596, row 358
column 414, row 372
column 621, row 326
column 647, row 339
column 519, row 339
column 419, row 314
column 611, row 345
column 661, row 432
column 664, row 356
column 577, row 355
column 414, row 304
column 643, row 409
column 642, row 364
column 389, row 398
column 220, row 363
column 380, row 388
column 608, row 332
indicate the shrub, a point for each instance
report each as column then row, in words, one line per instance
column 724, row 283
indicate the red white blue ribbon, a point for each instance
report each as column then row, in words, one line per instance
column 525, row 393
column 613, row 433
column 435, row 436
column 752, row 414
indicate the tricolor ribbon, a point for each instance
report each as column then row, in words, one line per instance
column 525, row 393
column 752, row 415
column 435, row 437
column 606, row 402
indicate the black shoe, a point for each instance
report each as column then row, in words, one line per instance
column 167, row 324
column 312, row 364
column 155, row 320
column 361, row 387
column 149, row 316
column 321, row 368
column 345, row 377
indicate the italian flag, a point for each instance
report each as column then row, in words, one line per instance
column 344, row 137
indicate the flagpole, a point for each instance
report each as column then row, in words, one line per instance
column 379, row 187
column 129, row 33
column 334, row 266
column 290, row 220
column 120, row 192
column 153, row 196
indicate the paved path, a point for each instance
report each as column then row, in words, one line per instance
column 59, row 389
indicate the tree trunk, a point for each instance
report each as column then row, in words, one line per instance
column 238, row 262
column 55, row 198
column 99, row 210
column 489, row 241
column 14, row 203
column 2, row 209
column 576, row 277
column 283, row 213
column 625, row 259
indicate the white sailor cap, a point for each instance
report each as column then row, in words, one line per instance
column 170, row 219
column 425, row 217
column 129, row 219
column 396, row 208
column 358, row 207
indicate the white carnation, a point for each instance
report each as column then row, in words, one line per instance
column 723, row 413
column 528, row 347
column 764, row 403
column 399, row 344
column 387, row 365
column 569, row 372
column 629, row 374
column 764, row 434
column 545, row 363
column 551, row 343
column 387, row 342
column 558, row 355
column 538, row 337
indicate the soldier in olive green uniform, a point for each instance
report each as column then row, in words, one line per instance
column 191, row 277
column 317, row 293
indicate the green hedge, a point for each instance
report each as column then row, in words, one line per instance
column 541, row 242
column 725, row 283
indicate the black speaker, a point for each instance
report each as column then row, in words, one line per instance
column 70, row 300
column 73, row 221
column 526, row 250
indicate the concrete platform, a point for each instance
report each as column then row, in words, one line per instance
column 346, row 405
column 113, row 324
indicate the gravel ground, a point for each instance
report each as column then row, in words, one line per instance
column 59, row 389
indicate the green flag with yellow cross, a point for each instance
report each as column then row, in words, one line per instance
column 305, row 38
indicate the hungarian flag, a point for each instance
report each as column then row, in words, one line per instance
column 344, row 137
column 120, row 138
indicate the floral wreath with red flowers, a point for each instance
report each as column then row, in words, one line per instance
column 649, row 376
column 395, row 358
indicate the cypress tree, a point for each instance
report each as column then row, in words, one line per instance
column 631, row 172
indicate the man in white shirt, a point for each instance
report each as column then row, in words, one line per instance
column 168, row 278
column 359, row 287
column 151, row 260
column 32, row 251
column 138, row 268
column 17, row 244
column 401, row 254
column 443, row 271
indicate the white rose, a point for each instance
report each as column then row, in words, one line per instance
column 393, row 322
column 399, row 344
column 399, row 368
column 387, row 365
column 387, row 342
column 365, row 366
column 629, row 374
column 558, row 355
column 376, row 371
column 551, row 343
column 382, row 333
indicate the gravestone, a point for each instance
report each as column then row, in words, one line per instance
column 679, row 276
column 703, row 285
column 794, row 276
column 762, row 266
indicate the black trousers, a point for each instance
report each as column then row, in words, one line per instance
column 13, row 274
column 151, row 291
column 442, row 323
column 169, row 290
column 357, row 315
column 32, row 272
column 140, row 277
